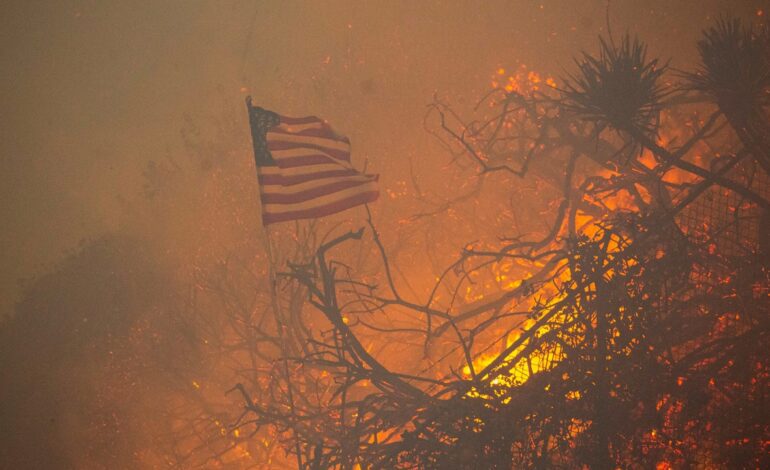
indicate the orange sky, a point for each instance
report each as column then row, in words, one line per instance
column 91, row 91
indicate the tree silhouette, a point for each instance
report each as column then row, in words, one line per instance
column 630, row 333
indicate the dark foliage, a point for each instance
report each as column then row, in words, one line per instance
column 620, row 88
column 735, row 69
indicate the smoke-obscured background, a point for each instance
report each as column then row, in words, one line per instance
column 101, row 99
column 93, row 91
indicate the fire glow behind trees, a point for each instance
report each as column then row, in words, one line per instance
column 588, row 287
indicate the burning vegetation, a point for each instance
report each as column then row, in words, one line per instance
column 620, row 320
column 633, row 332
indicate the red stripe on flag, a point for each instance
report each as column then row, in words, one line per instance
column 302, row 196
column 304, row 160
column 300, row 120
column 328, row 209
column 281, row 145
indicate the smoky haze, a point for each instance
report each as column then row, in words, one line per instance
column 92, row 91
column 95, row 93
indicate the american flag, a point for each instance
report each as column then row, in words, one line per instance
column 304, row 168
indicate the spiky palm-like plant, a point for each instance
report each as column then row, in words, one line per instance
column 620, row 88
column 735, row 69
column 735, row 74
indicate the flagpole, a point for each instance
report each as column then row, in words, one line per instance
column 276, row 306
column 281, row 326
